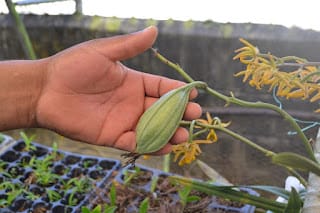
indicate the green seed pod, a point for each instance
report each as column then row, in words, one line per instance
column 159, row 122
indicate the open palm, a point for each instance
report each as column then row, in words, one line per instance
column 90, row 96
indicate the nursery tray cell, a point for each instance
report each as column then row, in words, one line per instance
column 36, row 178
column 43, row 179
column 134, row 184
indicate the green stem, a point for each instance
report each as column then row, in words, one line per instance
column 166, row 163
column 293, row 58
column 298, row 176
column 272, row 107
column 307, row 77
column 22, row 32
column 267, row 152
column 247, row 141
column 234, row 135
column 240, row 102
column 173, row 65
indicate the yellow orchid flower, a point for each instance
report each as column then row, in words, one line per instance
column 189, row 150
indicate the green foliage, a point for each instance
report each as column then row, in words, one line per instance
column 113, row 195
column 110, row 209
column 231, row 193
column 42, row 172
column 53, row 195
column 87, row 163
column 85, row 209
column 81, row 185
column 98, row 209
column 185, row 197
column 300, row 81
column 294, row 203
column 12, row 191
column 129, row 175
column 54, row 152
column 28, row 141
column 144, row 206
column 297, row 162
column 72, row 200
column 3, row 164
column 154, row 182
column 1, row 137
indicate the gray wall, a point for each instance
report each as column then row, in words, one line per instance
column 205, row 50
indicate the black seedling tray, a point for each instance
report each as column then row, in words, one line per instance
column 140, row 182
column 18, row 167
column 20, row 173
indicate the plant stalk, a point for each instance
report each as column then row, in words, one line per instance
column 22, row 32
column 267, row 152
column 240, row 102
column 166, row 163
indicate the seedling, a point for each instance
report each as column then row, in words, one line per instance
column 53, row 195
column 54, row 152
column 113, row 195
column 1, row 138
column 46, row 178
column 85, row 209
column 88, row 163
column 144, row 206
column 12, row 191
column 81, row 185
column 28, row 142
column 42, row 173
column 185, row 197
column 72, row 200
column 2, row 166
column 129, row 175
column 98, row 209
column 154, row 182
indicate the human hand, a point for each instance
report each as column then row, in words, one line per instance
column 89, row 95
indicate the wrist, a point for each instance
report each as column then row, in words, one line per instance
column 21, row 86
column 39, row 76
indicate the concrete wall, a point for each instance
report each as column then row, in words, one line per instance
column 205, row 51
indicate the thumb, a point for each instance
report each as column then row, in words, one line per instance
column 126, row 46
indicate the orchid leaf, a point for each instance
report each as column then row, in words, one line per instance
column 296, row 161
column 231, row 193
column 294, row 202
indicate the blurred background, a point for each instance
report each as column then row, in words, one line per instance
column 303, row 14
column 201, row 36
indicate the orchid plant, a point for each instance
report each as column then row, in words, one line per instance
column 262, row 70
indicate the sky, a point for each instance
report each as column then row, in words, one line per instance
column 304, row 14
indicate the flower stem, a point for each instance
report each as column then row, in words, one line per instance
column 240, row 102
column 267, row 152
column 307, row 77
column 173, row 65
column 272, row 107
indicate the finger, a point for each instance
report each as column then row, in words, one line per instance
column 126, row 142
column 193, row 111
column 148, row 102
column 156, row 86
column 180, row 136
column 126, row 46
column 165, row 150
